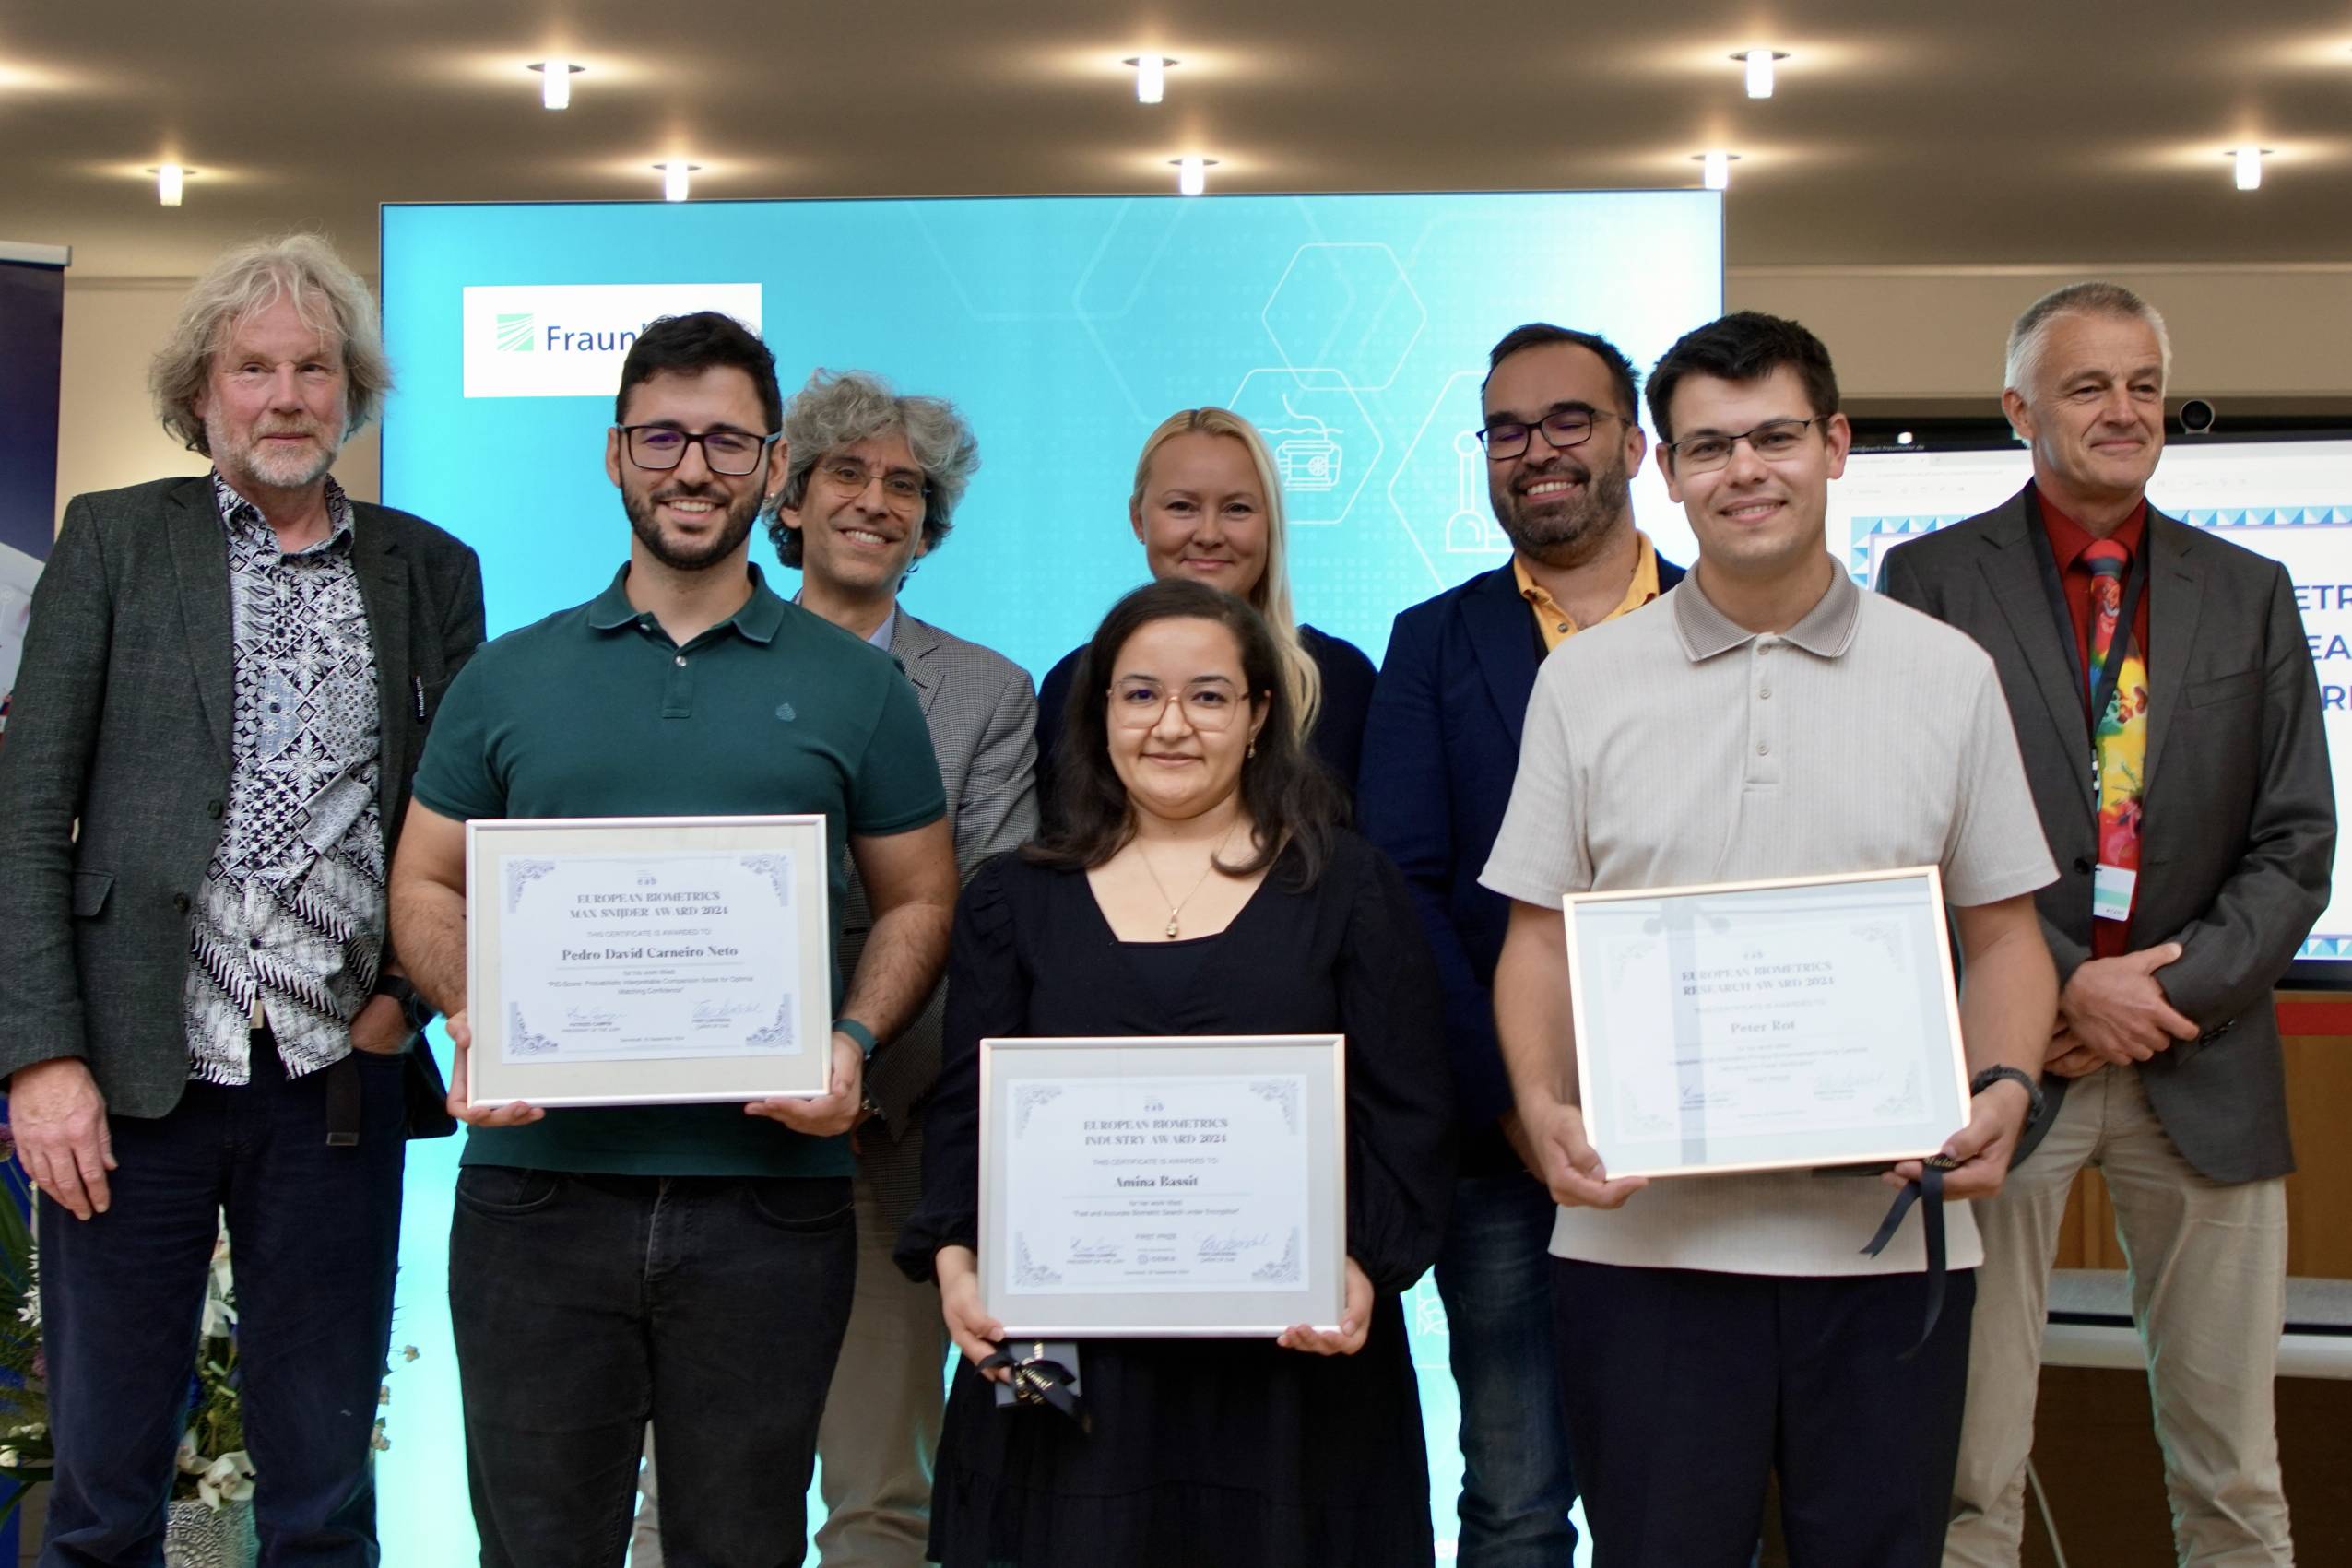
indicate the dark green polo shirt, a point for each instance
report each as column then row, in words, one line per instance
column 594, row 712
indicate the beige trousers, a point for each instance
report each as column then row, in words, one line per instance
column 881, row 1429
column 2208, row 1271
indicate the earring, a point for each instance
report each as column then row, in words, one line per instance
column 1251, row 752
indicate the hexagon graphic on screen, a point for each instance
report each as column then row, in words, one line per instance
column 1320, row 434
column 1346, row 306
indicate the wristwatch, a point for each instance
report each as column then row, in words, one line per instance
column 1992, row 1075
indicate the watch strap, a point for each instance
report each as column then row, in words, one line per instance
column 1994, row 1075
column 857, row 1031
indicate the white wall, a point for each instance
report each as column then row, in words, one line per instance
column 107, row 432
column 1903, row 332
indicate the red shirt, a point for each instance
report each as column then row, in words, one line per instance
column 2068, row 540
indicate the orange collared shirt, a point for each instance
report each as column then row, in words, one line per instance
column 1557, row 625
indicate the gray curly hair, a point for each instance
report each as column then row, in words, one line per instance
column 327, row 295
column 838, row 408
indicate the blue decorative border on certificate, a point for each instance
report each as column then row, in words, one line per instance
column 1027, row 1098
column 1027, row 1270
column 521, row 874
column 521, row 1040
column 776, row 868
column 1283, row 1270
column 1283, row 1093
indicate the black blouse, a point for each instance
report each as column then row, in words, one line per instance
column 1033, row 955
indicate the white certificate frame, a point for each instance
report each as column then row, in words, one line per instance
column 680, row 1077
column 1899, row 912
column 1321, row 1296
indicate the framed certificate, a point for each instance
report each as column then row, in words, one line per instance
column 1194, row 1185
column 647, row 960
column 1757, row 1026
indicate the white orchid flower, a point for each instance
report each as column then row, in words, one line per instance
column 231, row 1479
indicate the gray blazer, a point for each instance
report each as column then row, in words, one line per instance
column 2240, row 830
column 114, row 770
column 982, row 711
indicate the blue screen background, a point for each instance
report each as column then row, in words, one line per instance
column 1352, row 330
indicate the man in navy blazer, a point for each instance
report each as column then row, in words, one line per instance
column 1560, row 426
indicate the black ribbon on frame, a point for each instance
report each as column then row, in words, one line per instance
column 1040, row 1379
column 1929, row 1192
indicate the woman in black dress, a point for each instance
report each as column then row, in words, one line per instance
column 1197, row 885
column 1207, row 507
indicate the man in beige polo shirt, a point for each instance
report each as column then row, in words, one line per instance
column 1766, row 719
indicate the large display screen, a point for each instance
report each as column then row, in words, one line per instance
column 1352, row 330
column 2288, row 499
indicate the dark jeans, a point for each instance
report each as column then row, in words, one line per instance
column 584, row 1306
column 1685, row 1390
column 1494, row 1278
column 314, row 1232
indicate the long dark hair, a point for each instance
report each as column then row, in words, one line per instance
column 1286, row 792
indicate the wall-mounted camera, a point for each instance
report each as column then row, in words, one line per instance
column 2196, row 417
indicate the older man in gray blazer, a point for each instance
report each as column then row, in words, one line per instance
column 2169, row 715
column 871, row 487
column 225, row 688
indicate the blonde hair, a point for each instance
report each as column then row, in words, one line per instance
column 302, row 269
column 1271, row 596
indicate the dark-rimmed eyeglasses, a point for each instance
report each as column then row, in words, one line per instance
column 1708, row 450
column 1562, row 429
column 735, row 452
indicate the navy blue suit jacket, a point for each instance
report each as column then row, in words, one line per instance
column 1441, row 748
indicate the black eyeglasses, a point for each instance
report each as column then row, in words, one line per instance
column 1562, row 429
column 735, row 452
column 1709, row 449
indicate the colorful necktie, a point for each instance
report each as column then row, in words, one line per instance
column 2120, row 734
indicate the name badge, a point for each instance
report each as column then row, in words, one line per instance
column 2111, row 892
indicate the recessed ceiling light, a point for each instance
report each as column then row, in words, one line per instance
column 2248, row 160
column 1192, row 173
column 1151, row 77
column 1715, row 168
column 555, row 87
column 169, row 180
column 674, row 178
column 1759, row 63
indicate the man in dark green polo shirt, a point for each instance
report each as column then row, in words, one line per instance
column 691, row 1265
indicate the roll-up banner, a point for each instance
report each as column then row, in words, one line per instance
column 32, row 325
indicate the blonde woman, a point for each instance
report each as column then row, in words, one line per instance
column 1207, row 507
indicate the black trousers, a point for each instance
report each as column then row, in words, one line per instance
column 314, row 1232
column 1685, row 1391
column 584, row 1306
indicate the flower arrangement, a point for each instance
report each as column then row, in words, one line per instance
column 24, row 1393
column 213, row 1465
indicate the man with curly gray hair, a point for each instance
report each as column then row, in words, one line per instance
column 871, row 487
column 227, row 683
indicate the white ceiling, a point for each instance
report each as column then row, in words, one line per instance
column 2003, row 131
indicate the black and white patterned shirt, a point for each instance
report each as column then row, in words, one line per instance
column 290, row 926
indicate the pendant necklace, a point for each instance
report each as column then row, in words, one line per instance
column 1176, row 906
